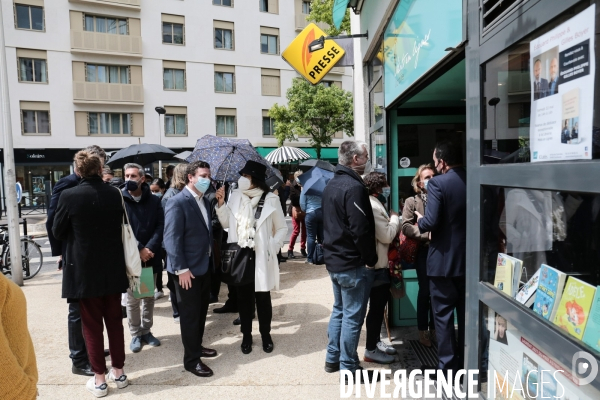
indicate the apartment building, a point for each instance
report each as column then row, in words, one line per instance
column 87, row 72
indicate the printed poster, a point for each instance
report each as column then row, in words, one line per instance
column 563, row 66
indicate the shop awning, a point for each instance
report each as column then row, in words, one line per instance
column 330, row 153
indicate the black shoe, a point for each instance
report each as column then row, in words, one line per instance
column 267, row 344
column 291, row 254
column 330, row 368
column 213, row 299
column 361, row 376
column 106, row 353
column 201, row 370
column 238, row 321
column 303, row 252
column 225, row 309
column 86, row 370
column 247, row 344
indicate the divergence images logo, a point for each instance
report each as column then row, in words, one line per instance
column 584, row 367
column 307, row 55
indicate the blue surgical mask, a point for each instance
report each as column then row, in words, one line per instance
column 158, row 194
column 386, row 192
column 202, row 185
column 425, row 184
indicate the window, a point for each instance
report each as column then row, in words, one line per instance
column 173, row 29
column 306, row 7
column 269, row 40
column 32, row 66
column 106, row 73
column 269, row 6
column 270, row 82
column 113, row 26
column 176, row 121
column 224, row 35
column 109, row 123
column 174, row 75
column 268, row 124
column 224, row 3
column 226, row 121
column 29, row 17
column 35, row 117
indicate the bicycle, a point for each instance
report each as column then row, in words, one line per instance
column 31, row 255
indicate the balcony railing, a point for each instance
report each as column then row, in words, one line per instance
column 302, row 23
column 96, row 42
column 133, row 4
column 108, row 93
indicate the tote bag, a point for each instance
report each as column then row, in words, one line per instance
column 146, row 286
column 133, row 262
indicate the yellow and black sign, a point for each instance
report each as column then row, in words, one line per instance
column 312, row 66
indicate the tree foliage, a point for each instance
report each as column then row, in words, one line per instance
column 322, row 11
column 314, row 112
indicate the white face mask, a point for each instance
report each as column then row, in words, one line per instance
column 244, row 183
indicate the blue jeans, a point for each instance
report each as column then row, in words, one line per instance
column 314, row 230
column 351, row 291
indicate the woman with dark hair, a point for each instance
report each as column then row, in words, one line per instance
column 158, row 187
column 386, row 229
column 265, row 236
column 88, row 219
column 418, row 203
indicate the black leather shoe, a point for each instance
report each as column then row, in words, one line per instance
column 247, row 346
column 106, row 353
column 291, row 254
column 330, row 368
column 225, row 309
column 238, row 321
column 201, row 370
column 303, row 252
column 208, row 353
column 85, row 370
column 267, row 344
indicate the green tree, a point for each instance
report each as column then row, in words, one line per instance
column 322, row 11
column 314, row 112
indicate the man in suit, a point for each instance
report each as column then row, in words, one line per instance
column 446, row 219
column 553, row 84
column 79, row 356
column 565, row 135
column 188, row 239
column 540, row 85
column 575, row 131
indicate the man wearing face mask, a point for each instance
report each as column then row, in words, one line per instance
column 147, row 222
column 188, row 238
column 446, row 219
column 349, row 248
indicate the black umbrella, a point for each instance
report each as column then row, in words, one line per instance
column 142, row 154
column 306, row 165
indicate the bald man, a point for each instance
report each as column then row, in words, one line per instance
column 540, row 85
column 553, row 84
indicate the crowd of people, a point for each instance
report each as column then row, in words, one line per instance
column 181, row 225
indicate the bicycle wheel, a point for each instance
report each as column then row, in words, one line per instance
column 31, row 256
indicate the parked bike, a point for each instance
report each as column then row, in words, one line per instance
column 31, row 255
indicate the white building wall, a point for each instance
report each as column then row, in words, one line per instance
column 199, row 98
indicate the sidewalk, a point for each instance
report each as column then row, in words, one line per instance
column 301, row 310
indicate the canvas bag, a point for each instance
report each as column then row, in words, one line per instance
column 133, row 263
column 146, row 286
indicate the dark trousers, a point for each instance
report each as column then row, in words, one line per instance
column 171, row 285
column 193, row 306
column 94, row 312
column 264, row 309
column 232, row 297
column 215, row 279
column 448, row 294
column 424, row 310
column 77, row 346
column 378, row 298
column 159, row 281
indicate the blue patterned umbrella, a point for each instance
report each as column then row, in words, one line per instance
column 227, row 157
column 314, row 180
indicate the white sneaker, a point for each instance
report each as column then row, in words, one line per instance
column 386, row 348
column 378, row 356
column 121, row 381
column 98, row 391
column 176, row 320
column 158, row 294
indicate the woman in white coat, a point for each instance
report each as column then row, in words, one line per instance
column 266, row 239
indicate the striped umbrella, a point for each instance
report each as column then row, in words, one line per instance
column 286, row 154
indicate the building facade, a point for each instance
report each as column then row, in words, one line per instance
column 85, row 72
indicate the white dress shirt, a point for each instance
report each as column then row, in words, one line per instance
column 204, row 212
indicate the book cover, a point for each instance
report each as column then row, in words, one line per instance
column 503, row 279
column 592, row 330
column 574, row 307
column 526, row 295
column 517, row 272
column 550, row 286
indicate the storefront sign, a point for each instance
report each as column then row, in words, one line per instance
column 416, row 39
column 563, row 66
column 35, row 156
column 312, row 66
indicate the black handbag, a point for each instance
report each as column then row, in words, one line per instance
column 238, row 263
column 317, row 256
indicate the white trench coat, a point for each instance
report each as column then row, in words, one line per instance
column 271, row 230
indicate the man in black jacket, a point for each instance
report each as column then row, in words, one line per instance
column 79, row 356
column 349, row 249
column 147, row 221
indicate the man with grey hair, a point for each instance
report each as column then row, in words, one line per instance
column 350, row 251
column 147, row 222
column 77, row 348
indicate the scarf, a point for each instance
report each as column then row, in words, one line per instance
column 424, row 199
column 246, row 223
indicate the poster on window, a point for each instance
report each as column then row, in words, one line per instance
column 563, row 66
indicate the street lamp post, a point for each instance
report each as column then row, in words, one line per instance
column 160, row 110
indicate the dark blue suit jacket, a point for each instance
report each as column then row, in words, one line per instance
column 446, row 219
column 187, row 237
column 63, row 183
